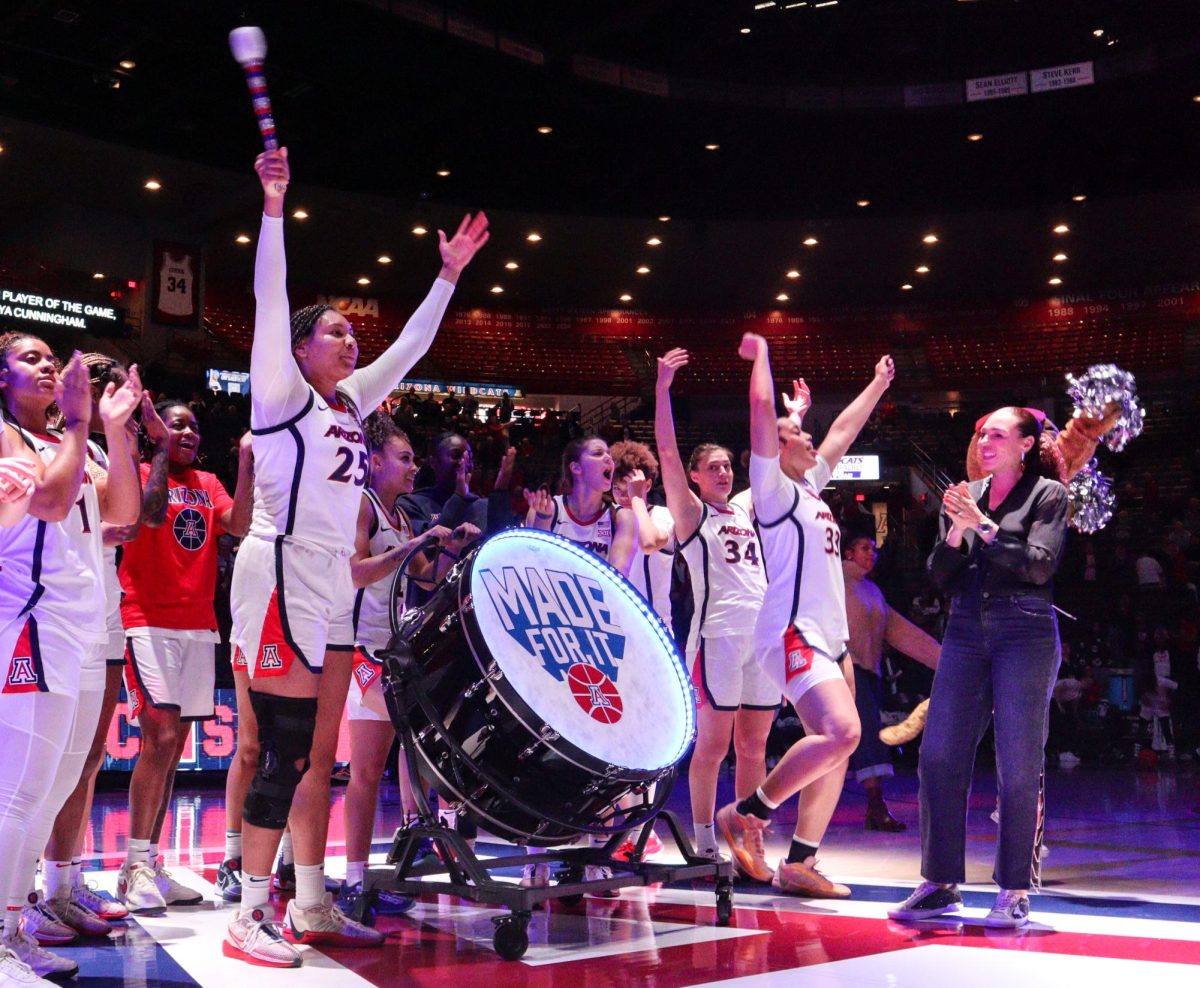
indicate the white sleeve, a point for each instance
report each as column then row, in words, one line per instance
column 277, row 388
column 819, row 475
column 369, row 385
column 772, row 492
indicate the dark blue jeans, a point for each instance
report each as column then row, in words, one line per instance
column 1000, row 657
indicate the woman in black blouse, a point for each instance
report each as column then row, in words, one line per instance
column 1001, row 541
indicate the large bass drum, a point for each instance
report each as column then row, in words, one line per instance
column 547, row 689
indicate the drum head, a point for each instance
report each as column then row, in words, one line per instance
column 582, row 649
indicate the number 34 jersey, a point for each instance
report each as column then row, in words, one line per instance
column 309, row 474
column 724, row 558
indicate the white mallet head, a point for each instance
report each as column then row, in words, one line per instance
column 248, row 44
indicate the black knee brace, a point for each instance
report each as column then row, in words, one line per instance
column 285, row 733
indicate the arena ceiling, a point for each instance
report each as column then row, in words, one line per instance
column 722, row 115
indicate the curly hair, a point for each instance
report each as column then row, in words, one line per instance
column 630, row 456
column 378, row 428
column 103, row 370
column 305, row 320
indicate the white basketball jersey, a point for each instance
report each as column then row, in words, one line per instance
column 372, row 626
column 112, row 582
column 595, row 535
column 651, row 573
column 803, row 551
column 724, row 559
column 175, row 286
column 56, row 569
column 309, row 474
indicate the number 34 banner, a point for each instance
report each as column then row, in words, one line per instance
column 176, row 278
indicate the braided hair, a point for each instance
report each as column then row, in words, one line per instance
column 379, row 428
column 305, row 320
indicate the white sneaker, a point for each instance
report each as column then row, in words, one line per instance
column 255, row 939
column 39, row 921
column 15, row 973
column 107, row 909
column 535, row 876
column 600, row 873
column 1010, row 911
column 172, row 892
column 81, row 919
column 326, row 925
column 138, row 890
column 39, row 960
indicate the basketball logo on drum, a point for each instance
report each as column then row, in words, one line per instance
column 595, row 693
column 190, row 529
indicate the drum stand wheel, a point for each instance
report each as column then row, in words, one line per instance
column 724, row 901
column 511, row 938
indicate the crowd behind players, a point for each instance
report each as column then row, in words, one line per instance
column 1130, row 679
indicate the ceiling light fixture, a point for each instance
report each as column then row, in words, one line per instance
column 153, row 184
column 384, row 259
column 497, row 289
column 906, row 287
column 781, row 297
column 626, row 297
column 1060, row 257
column 793, row 274
column 863, row 203
column 1078, row 198
column 653, row 242
column 642, row 269
column 1098, row 33
column 443, row 173
column 127, row 64
column 744, row 30
column 922, row 269
column 545, row 129
column 511, row 266
column 363, row 280
column 811, row 241
column 241, row 238
column 825, row 3
column 664, row 218
column 1055, row 281
column 1061, row 228
column 975, row 137
column 98, row 275
column 712, row 147
column 300, row 214
column 929, row 238
column 534, row 238
column 419, row 230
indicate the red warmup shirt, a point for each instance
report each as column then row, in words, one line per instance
column 169, row 573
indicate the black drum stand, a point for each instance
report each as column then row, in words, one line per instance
column 468, row 877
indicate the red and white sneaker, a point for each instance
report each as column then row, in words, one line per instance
column 328, row 926
column 173, row 892
column 39, row 921
column 255, row 939
column 138, row 890
column 82, row 920
column 108, row 910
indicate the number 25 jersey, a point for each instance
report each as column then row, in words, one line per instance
column 724, row 558
column 309, row 474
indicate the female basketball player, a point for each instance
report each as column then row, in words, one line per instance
column 800, row 635
column 584, row 516
column 169, row 575
column 634, row 472
column 383, row 543
column 292, row 593
column 53, row 631
column 734, row 696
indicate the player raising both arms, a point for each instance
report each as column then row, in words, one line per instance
column 801, row 634
column 292, row 594
column 734, row 696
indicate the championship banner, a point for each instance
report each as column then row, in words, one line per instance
column 1061, row 77
column 176, row 275
column 997, row 86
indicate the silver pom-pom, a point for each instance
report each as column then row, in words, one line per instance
column 1104, row 385
column 1092, row 499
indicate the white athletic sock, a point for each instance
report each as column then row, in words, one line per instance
column 286, row 853
column 152, row 855
column 706, row 836
column 233, row 845
column 310, row 885
column 56, row 876
column 766, row 802
column 76, row 873
column 354, row 873
column 256, row 894
column 136, row 851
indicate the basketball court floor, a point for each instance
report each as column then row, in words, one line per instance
column 1121, row 905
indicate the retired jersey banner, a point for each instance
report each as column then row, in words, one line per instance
column 997, row 86
column 1061, row 77
column 176, row 275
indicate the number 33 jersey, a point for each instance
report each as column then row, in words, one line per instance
column 724, row 558
column 309, row 474
column 803, row 548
